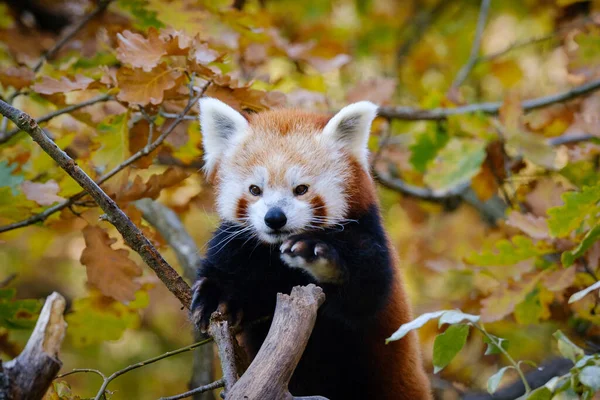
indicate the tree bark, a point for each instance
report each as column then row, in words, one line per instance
column 31, row 373
column 270, row 372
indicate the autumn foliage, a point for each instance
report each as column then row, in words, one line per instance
column 494, row 211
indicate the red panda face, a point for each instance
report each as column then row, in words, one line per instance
column 285, row 172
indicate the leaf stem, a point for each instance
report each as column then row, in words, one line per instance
column 515, row 364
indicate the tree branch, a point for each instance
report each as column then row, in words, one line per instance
column 202, row 389
column 492, row 108
column 70, row 33
column 146, row 362
column 272, row 368
column 172, row 230
column 6, row 136
column 131, row 233
column 464, row 72
column 142, row 153
column 32, row 372
column 170, row 227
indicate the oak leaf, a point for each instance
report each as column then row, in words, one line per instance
column 202, row 54
column 138, row 189
column 534, row 226
column 140, row 52
column 44, row 194
column 17, row 77
column 140, row 87
column 52, row 86
column 110, row 270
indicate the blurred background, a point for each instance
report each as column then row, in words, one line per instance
column 465, row 199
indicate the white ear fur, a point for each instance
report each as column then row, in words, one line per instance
column 220, row 124
column 351, row 127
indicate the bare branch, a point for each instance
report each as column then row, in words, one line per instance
column 571, row 139
column 70, row 33
column 220, row 331
column 492, row 108
column 142, row 153
column 172, row 230
column 422, row 193
column 6, row 136
column 211, row 386
column 32, row 372
column 146, row 362
column 270, row 372
column 131, row 233
column 472, row 61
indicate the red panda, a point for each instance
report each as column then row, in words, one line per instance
column 298, row 206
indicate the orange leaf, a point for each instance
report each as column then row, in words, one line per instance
column 42, row 193
column 17, row 77
column 484, row 183
column 110, row 270
column 139, row 52
column 152, row 187
column 52, row 86
column 140, row 87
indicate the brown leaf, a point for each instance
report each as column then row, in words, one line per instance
column 503, row 301
column 139, row 52
column 559, row 280
column 138, row 189
column 140, row 87
column 202, row 54
column 138, row 139
column 178, row 43
column 17, row 77
column 52, row 86
column 110, row 270
column 42, row 193
column 377, row 90
column 484, row 184
column 532, row 225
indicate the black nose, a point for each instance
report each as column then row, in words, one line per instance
column 275, row 218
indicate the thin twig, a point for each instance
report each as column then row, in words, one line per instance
column 80, row 370
column 472, row 61
column 211, row 386
column 146, row 362
column 71, row 32
column 6, row 281
column 571, row 139
column 438, row 114
column 106, row 97
column 131, row 233
column 142, row 153
column 173, row 115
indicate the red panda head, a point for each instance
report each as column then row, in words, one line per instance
column 283, row 172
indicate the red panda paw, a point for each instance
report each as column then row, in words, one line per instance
column 208, row 298
column 313, row 256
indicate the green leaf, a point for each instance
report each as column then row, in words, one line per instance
column 567, row 348
column 17, row 314
column 582, row 293
column 414, row 324
column 506, row 252
column 114, row 140
column 97, row 318
column 494, row 380
column 447, row 345
column 493, row 348
column 590, row 376
column 142, row 16
column 530, row 310
column 569, row 257
column 578, row 206
column 454, row 317
column 455, row 164
column 427, row 145
column 9, row 180
column 542, row 393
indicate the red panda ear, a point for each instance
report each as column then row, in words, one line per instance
column 220, row 125
column 351, row 126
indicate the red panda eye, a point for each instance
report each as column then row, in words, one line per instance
column 300, row 190
column 255, row 190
